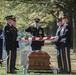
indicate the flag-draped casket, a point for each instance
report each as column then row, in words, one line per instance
column 39, row 60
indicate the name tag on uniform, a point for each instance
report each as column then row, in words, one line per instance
column 66, row 30
column 62, row 30
column 40, row 32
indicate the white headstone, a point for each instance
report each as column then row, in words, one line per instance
column 4, row 54
column 24, row 57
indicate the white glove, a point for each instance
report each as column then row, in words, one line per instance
column 55, row 38
column 18, row 38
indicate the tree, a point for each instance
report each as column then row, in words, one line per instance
column 46, row 10
column 69, row 8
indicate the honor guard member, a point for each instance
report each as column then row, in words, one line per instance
column 1, row 46
column 16, row 43
column 10, row 43
column 66, row 42
column 36, row 31
column 64, row 39
column 57, row 44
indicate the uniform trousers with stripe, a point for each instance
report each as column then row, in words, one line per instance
column 14, row 57
column 58, row 55
column 10, row 60
column 1, row 50
column 15, row 53
column 36, row 45
column 36, row 48
column 65, row 58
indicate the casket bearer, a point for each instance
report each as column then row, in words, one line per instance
column 10, row 38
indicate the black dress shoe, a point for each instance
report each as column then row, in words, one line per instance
column 8, row 72
column 16, row 68
column 13, row 72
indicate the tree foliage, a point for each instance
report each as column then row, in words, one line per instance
column 27, row 10
column 46, row 10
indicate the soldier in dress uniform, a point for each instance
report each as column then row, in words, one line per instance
column 63, row 46
column 1, row 46
column 17, row 44
column 66, row 39
column 36, row 31
column 57, row 44
column 10, row 40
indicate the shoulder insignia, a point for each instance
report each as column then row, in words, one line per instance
column 40, row 32
column 7, row 31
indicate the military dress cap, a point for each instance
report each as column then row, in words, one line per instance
column 65, row 16
column 36, row 19
column 59, row 20
column 10, row 17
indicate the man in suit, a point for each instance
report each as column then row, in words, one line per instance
column 36, row 31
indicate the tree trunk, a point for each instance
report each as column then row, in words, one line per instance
column 71, row 25
column 74, row 32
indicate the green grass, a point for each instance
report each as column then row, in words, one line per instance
column 48, row 48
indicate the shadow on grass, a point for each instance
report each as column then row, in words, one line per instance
column 74, row 72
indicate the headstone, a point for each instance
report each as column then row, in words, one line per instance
column 22, row 44
column 24, row 57
column 4, row 54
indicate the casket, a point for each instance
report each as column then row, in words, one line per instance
column 39, row 60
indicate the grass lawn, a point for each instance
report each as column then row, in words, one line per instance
column 48, row 48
